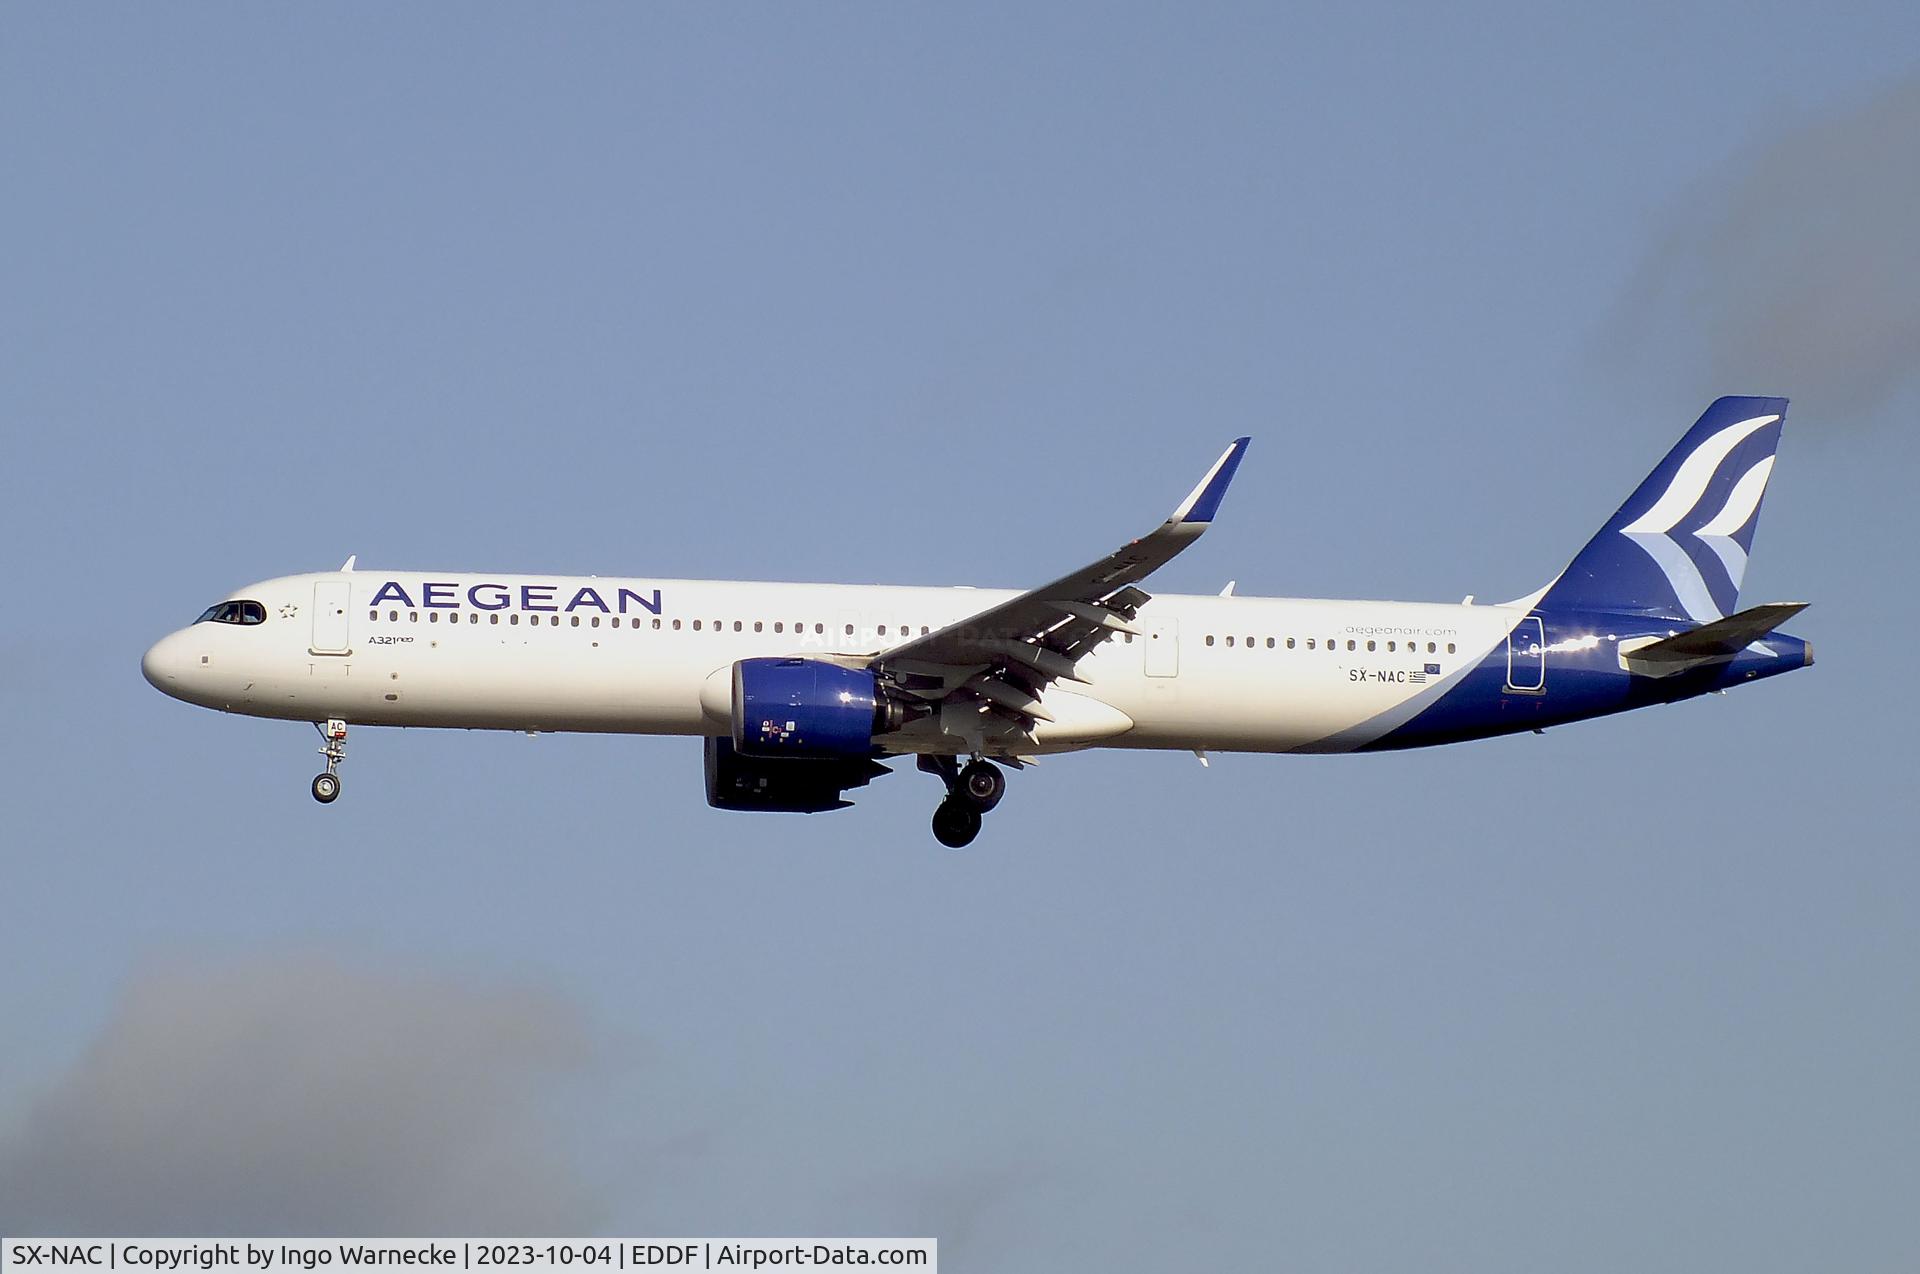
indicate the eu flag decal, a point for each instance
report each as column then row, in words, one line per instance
column 1433, row 670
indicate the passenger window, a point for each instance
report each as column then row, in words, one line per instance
column 576, row 621
column 553, row 621
column 1371, row 646
column 1289, row 643
column 924, row 630
column 473, row 617
column 1350, row 644
column 821, row 628
column 433, row 617
column 736, row 626
column 779, row 626
column 696, row 625
column 849, row 630
column 1209, row 639
column 374, row 615
column 514, row 619
column 1449, row 648
column 1389, row 647
column 1249, row 643
column 676, row 625
column 1429, row 648
column 883, row 630
column 656, row 623
column 494, row 618
column 413, row 617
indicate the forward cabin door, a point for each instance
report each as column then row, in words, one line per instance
column 1527, row 657
column 1162, row 641
column 330, row 618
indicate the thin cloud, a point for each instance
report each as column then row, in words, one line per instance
column 975, row 1209
column 1799, row 269
column 304, row 1097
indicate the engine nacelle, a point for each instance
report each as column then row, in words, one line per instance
column 807, row 708
column 794, row 785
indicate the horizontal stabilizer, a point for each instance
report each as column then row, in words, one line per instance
column 1710, row 643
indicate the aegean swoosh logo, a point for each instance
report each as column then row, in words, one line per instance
column 1653, row 530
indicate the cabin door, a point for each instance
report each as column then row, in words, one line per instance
column 1162, row 642
column 330, row 618
column 1527, row 657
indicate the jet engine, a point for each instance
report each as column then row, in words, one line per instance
column 794, row 785
column 808, row 708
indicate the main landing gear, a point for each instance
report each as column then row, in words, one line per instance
column 971, row 792
column 326, row 786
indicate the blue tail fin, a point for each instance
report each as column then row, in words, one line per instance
column 1678, row 547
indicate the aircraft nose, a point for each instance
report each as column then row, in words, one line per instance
column 165, row 663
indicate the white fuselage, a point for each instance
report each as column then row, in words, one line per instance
column 649, row 656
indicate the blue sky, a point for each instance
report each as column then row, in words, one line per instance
column 901, row 294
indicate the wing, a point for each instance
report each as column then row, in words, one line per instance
column 998, row 661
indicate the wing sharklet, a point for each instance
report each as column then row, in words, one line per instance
column 1204, row 500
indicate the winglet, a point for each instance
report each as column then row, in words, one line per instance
column 1204, row 502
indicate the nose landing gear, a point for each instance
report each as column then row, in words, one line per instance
column 326, row 786
column 971, row 792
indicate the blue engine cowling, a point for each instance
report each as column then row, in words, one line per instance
column 790, row 784
column 806, row 707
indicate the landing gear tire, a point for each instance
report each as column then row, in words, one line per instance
column 955, row 823
column 983, row 783
column 325, row 788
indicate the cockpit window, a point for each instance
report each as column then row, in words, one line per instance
column 233, row 613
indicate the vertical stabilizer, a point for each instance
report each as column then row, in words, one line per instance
column 1678, row 547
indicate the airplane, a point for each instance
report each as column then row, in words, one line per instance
column 801, row 691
